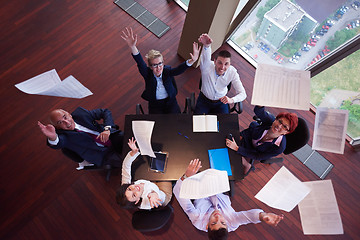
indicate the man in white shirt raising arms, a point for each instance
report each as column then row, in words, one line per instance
column 214, row 214
column 216, row 76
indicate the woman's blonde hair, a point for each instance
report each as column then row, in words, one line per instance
column 152, row 54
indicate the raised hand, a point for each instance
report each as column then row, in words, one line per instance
column 205, row 39
column 195, row 54
column 193, row 167
column 48, row 131
column 131, row 39
column 271, row 218
column 132, row 146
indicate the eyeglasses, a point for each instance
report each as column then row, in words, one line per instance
column 157, row 65
column 287, row 128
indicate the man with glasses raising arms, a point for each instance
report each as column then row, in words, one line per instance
column 160, row 87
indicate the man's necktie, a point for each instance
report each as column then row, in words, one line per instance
column 96, row 139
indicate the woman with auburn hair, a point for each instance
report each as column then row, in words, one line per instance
column 265, row 140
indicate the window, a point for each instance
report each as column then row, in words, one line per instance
column 184, row 4
column 281, row 32
column 297, row 36
column 339, row 87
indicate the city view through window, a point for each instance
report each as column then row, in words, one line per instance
column 280, row 32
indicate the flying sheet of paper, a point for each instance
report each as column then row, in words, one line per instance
column 142, row 131
column 330, row 130
column 49, row 84
column 283, row 191
column 281, row 87
column 205, row 184
column 319, row 211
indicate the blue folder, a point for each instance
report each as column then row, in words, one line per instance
column 219, row 159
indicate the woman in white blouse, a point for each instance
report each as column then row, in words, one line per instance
column 142, row 193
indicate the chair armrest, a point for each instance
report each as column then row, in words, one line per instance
column 238, row 108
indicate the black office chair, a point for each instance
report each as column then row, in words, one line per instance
column 294, row 141
column 190, row 102
column 139, row 109
column 298, row 138
column 76, row 158
column 152, row 220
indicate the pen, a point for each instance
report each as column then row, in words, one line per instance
column 183, row 135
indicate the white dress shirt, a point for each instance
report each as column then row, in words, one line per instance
column 199, row 212
column 148, row 186
column 214, row 86
column 161, row 92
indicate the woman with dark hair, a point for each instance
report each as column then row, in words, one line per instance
column 265, row 140
column 142, row 193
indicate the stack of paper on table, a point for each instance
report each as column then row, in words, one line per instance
column 283, row 191
column 281, row 87
column 330, row 130
column 205, row 123
column 319, row 211
column 205, row 184
column 49, row 84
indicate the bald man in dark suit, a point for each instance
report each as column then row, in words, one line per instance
column 81, row 133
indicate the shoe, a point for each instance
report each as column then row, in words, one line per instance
column 84, row 164
column 252, row 168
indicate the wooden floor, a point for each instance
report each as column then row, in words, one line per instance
column 43, row 196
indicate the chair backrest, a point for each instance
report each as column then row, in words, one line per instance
column 139, row 109
column 151, row 220
column 298, row 138
column 189, row 104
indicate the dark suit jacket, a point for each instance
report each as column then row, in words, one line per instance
column 82, row 143
column 267, row 149
column 168, row 74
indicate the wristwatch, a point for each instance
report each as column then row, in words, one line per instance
column 184, row 176
column 107, row 128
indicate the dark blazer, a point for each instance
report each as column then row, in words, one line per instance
column 168, row 79
column 267, row 149
column 82, row 143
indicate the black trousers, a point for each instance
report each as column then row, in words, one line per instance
column 112, row 155
column 164, row 106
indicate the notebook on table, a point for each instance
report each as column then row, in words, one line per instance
column 219, row 159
